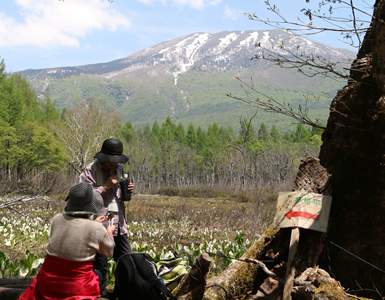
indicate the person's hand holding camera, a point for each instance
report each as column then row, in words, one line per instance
column 111, row 182
column 101, row 219
column 130, row 187
column 111, row 228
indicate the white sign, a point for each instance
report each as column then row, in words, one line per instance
column 303, row 209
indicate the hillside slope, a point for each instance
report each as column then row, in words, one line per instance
column 188, row 78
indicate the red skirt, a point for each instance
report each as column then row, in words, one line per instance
column 65, row 280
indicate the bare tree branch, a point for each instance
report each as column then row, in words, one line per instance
column 20, row 201
column 85, row 127
column 274, row 106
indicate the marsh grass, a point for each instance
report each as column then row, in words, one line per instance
column 158, row 224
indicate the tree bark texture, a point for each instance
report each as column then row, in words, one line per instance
column 353, row 151
column 313, row 283
column 15, row 282
column 13, row 288
column 316, row 282
column 10, row 293
column 192, row 285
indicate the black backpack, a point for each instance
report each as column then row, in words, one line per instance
column 137, row 279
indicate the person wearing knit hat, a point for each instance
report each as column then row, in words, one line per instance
column 77, row 235
column 83, row 200
column 104, row 174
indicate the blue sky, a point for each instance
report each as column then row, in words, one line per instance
column 36, row 34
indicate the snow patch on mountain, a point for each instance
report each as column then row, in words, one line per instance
column 250, row 40
column 266, row 40
column 183, row 53
column 225, row 42
column 191, row 50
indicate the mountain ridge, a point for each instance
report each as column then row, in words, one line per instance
column 166, row 76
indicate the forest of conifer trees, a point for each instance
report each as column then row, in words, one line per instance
column 169, row 155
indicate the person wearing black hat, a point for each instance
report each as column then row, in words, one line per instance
column 104, row 174
column 67, row 271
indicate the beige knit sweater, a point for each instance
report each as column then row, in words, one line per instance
column 78, row 239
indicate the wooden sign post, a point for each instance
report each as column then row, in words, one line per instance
column 300, row 209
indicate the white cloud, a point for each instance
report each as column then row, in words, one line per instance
column 49, row 23
column 232, row 13
column 197, row 4
column 145, row 1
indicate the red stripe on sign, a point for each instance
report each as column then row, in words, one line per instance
column 302, row 214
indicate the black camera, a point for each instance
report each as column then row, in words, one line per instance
column 123, row 182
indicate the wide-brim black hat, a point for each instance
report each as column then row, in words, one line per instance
column 112, row 152
column 83, row 198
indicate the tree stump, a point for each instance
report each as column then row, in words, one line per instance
column 193, row 283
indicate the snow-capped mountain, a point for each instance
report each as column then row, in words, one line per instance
column 164, row 71
column 223, row 51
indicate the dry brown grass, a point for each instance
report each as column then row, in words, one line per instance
column 249, row 211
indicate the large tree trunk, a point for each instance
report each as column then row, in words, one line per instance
column 353, row 151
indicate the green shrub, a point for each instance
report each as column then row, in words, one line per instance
column 243, row 196
column 168, row 191
column 191, row 191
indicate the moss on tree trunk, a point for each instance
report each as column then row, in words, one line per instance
column 240, row 277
